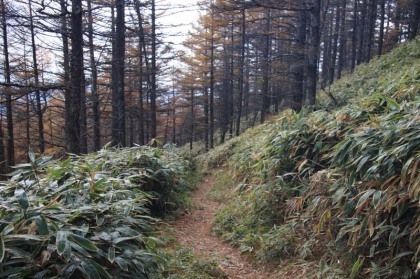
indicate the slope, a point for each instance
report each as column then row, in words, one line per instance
column 334, row 192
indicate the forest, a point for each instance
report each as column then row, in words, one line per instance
column 303, row 114
column 81, row 74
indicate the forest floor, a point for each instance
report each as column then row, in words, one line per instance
column 194, row 231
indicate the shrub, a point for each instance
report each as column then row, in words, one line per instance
column 88, row 216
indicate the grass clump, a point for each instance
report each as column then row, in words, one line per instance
column 338, row 188
column 88, row 216
column 223, row 186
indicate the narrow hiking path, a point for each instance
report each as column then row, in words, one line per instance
column 194, row 231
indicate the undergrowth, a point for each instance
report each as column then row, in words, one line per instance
column 88, row 216
column 338, row 188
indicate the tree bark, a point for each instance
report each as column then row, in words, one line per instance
column 211, row 97
column 298, row 73
column 66, row 66
column 10, row 134
column 118, row 106
column 3, row 167
column 153, row 92
column 231, row 95
column 361, row 47
column 142, row 52
column 192, row 119
column 241, row 73
column 343, row 41
column 354, row 35
column 266, row 60
column 334, row 45
column 38, row 107
column 372, row 23
column 94, row 73
column 76, row 78
column 415, row 21
column 313, row 54
column 381, row 28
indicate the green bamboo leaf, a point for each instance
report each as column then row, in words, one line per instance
column 22, row 199
column 128, row 231
column 377, row 198
column 79, row 249
column 121, row 239
column 20, row 253
column 403, row 254
column 83, row 242
column 100, row 269
column 122, row 263
column 90, row 271
column 61, row 242
column 42, row 225
column 362, row 163
column 26, row 237
column 111, row 254
column 393, row 236
column 2, row 249
column 405, row 169
column 67, row 251
column 392, row 104
column 365, row 196
column 356, row 268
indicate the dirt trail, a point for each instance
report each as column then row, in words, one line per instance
column 194, row 231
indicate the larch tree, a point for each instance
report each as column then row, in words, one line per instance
column 118, row 96
column 6, row 91
column 73, row 111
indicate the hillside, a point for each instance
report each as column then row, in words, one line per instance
column 331, row 193
column 334, row 192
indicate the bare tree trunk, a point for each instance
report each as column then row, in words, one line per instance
column 247, row 86
column 192, row 120
column 206, row 118
column 354, row 35
column 83, row 117
column 231, row 95
column 335, row 45
column 343, row 40
column 95, row 95
column 298, row 72
column 66, row 66
column 361, row 47
column 313, row 53
column 142, row 51
column 3, row 167
column 76, row 78
column 241, row 74
column 381, row 28
column 372, row 23
column 224, row 112
column 38, row 106
column 415, row 21
column 153, row 92
column 10, row 135
column 118, row 108
column 211, row 97
column 174, row 115
column 266, row 56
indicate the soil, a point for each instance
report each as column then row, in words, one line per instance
column 194, row 230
